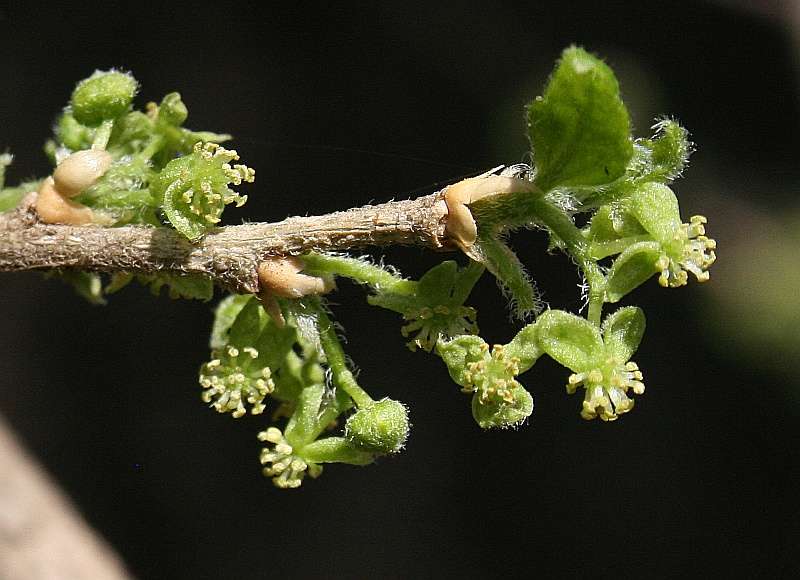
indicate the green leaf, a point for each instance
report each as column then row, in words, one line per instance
column 247, row 327
column 500, row 414
column 570, row 340
column 525, row 347
column 579, row 129
column 623, row 331
column 632, row 268
column 224, row 317
column 656, row 208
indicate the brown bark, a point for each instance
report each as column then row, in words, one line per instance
column 228, row 255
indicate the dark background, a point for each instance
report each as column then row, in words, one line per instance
column 340, row 105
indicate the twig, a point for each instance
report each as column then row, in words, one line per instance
column 229, row 255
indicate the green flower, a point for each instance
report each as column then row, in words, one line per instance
column 674, row 250
column 286, row 468
column 498, row 399
column 194, row 188
column 434, row 308
column 297, row 450
column 248, row 352
column 600, row 361
column 232, row 378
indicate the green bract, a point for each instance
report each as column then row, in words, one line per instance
column 579, row 129
column 194, row 189
column 103, row 96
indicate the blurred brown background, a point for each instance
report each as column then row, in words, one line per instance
column 349, row 103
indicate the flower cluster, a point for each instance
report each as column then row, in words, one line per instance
column 232, row 378
column 194, row 188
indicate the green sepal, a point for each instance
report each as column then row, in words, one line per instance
column 613, row 221
column 525, row 347
column 379, row 428
column 103, row 96
column 433, row 307
column 11, row 196
column 570, row 340
column 118, row 281
column 656, row 208
column 460, row 351
column 579, row 129
column 632, row 268
column 623, row 331
column 336, row 450
column 500, row 414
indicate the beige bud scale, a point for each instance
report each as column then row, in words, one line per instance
column 74, row 174
column 461, row 225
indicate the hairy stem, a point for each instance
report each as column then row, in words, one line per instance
column 228, row 255
column 337, row 362
column 566, row 230
column 358, row 270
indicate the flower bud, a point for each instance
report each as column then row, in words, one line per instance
column 80, row 171
column 381, row 428
column 172, row 110
column 104, row 95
